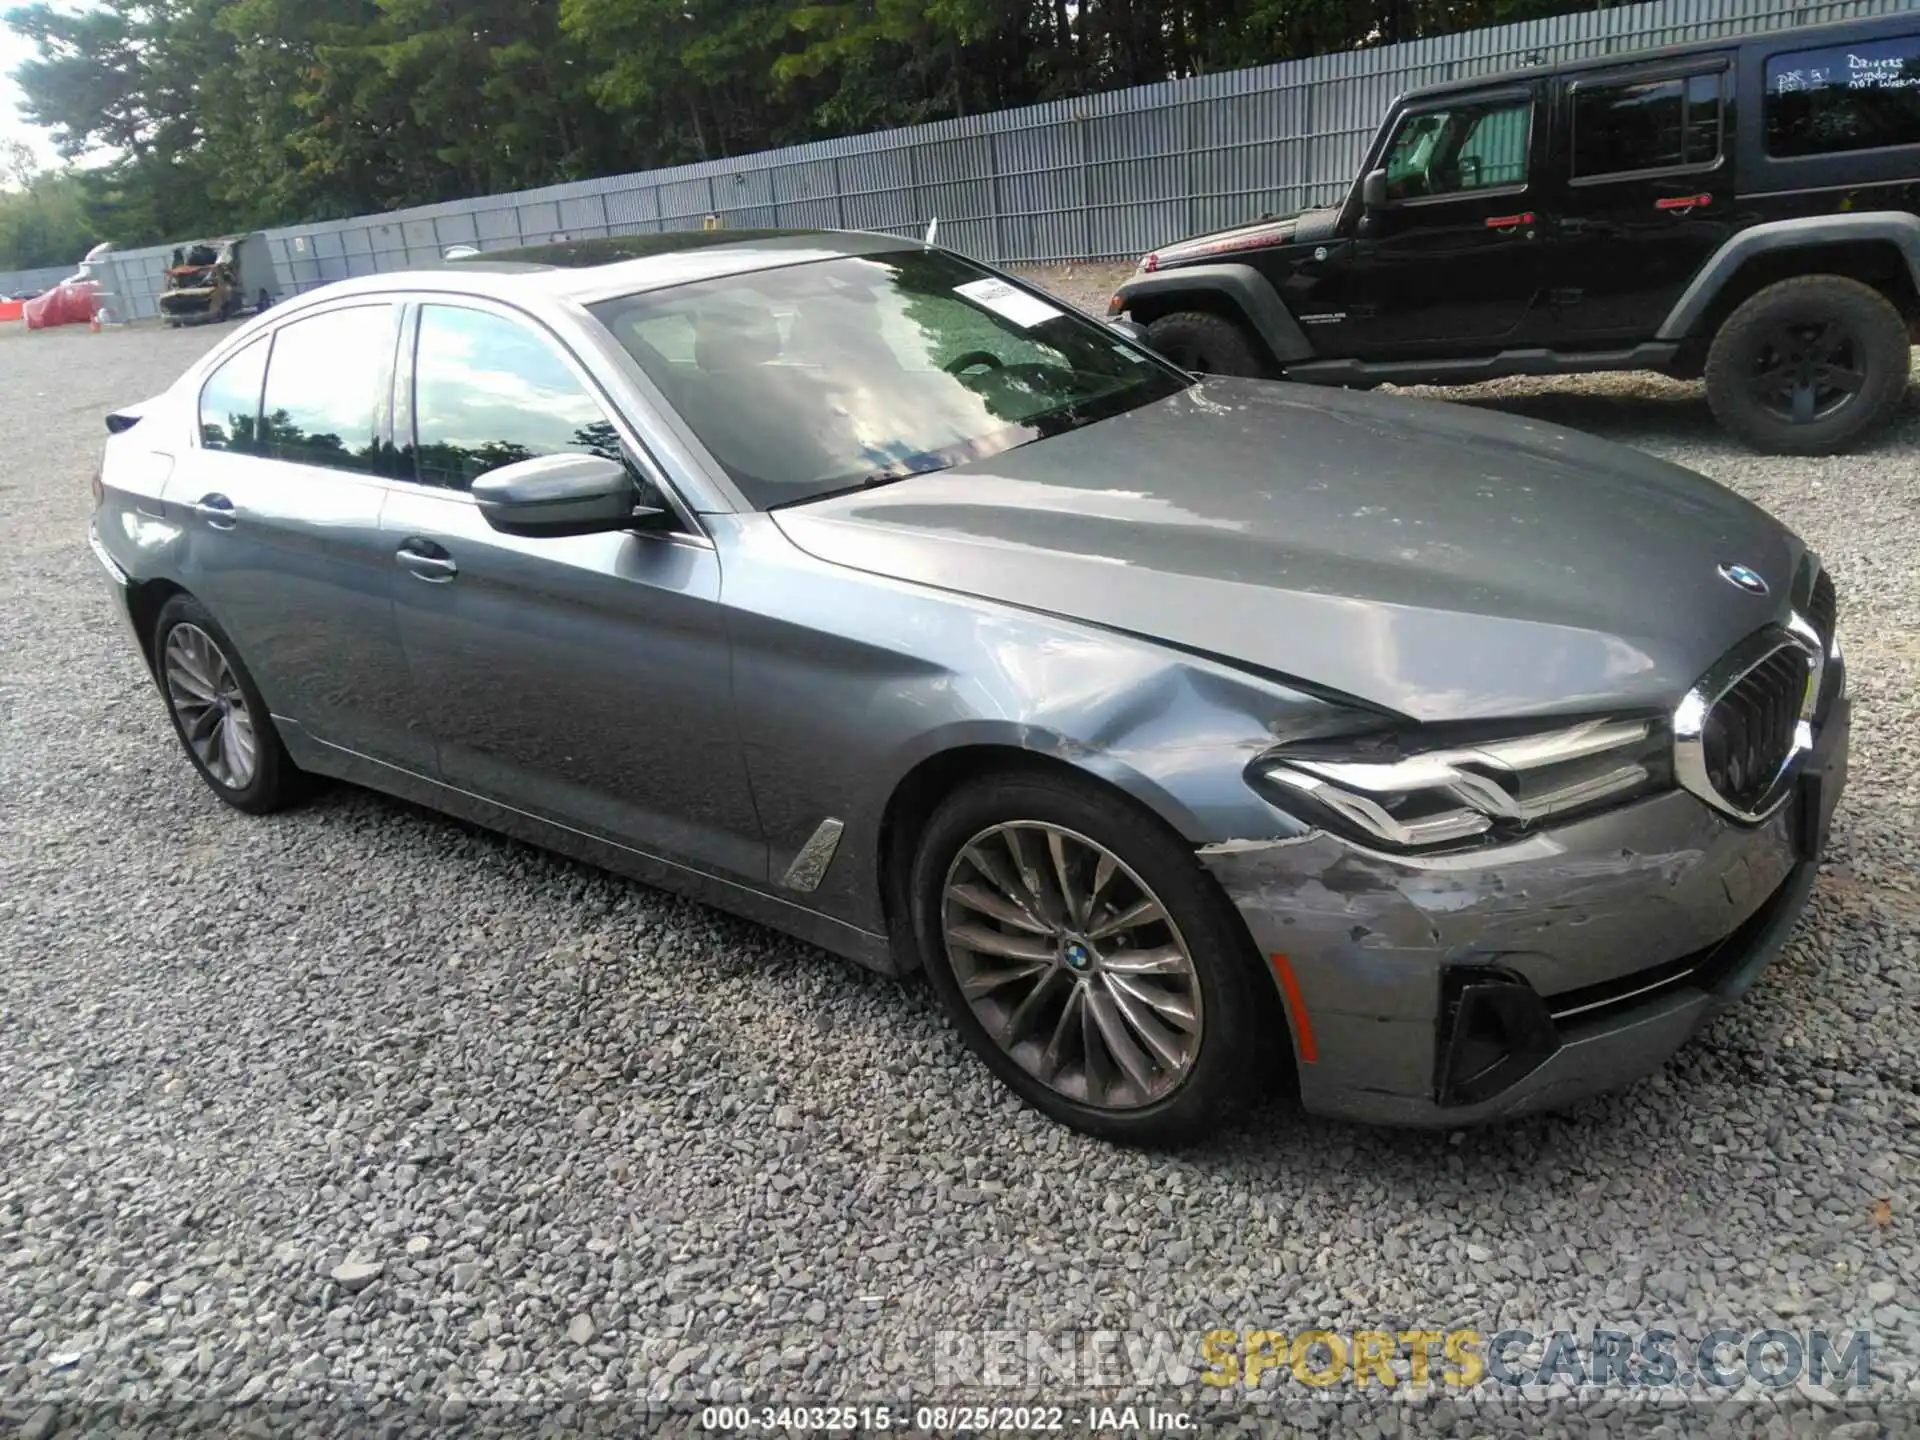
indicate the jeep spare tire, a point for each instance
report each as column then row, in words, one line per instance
column 1809, row 365
column 1207, row 344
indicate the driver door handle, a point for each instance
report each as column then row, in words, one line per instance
column 425, row 560
column 1507, row 224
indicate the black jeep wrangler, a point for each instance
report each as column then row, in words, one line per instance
column 1743, row 210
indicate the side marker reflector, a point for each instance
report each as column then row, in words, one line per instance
column 1302, row 1025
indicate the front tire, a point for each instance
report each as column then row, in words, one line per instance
column 217, row 712
column 1207, row 344
column 1083, row 954
column 1809, row 365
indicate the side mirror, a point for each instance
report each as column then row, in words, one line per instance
column 555, row 495
column 1373, row 190
column 1135, row 332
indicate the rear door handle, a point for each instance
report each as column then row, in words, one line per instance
column 425, row 560
column 216, row 509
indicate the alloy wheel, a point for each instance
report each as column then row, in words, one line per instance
column 1072, row 964
column 1804, row 372
column 208, row 703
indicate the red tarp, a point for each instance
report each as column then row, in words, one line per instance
column 71, row 302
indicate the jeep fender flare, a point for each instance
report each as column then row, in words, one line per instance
column 1897, row 226
column 1250, row 293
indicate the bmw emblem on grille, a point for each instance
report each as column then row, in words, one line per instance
column 1746, row 577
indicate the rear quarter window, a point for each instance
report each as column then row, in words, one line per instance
column 230, row 401
column 1862, row 96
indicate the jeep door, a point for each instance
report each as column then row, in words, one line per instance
column 1450, row 263
column 1648, row 195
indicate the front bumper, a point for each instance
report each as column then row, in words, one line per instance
column 1609, row 941
column 186, row 305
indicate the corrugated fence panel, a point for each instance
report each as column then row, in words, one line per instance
column 807, row 194
column 1104, row 175
column 636, row 208
column 878, row 189
column 582, row 216
column 539, row 222
column 499, row 227
column 684, row 203
column 19, row 282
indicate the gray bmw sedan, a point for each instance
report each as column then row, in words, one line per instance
column 1180, row 731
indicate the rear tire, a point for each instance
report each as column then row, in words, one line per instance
column 1809, row 365
column 1095, row 973
column 1207, row 344
column 218, row 715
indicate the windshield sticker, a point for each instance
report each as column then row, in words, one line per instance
column 1022, row 309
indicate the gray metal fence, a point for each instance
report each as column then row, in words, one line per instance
column 18, row 282
column 1106, row 175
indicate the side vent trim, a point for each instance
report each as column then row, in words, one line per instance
column 809, row 866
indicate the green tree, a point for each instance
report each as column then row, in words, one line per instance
column 215, row 115
column 44, row 218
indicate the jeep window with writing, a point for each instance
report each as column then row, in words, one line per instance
column 1641, row 125
column 1474, row 145
column 1844, row 97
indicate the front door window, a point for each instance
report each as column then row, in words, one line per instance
column 1470, row 146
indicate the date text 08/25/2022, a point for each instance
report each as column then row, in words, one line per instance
column 948, row 1419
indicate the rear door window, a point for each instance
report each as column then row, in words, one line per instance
column 326, row 382
column 1629, row 127
column 1863, row 96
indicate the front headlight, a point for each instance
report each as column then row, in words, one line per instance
column 1393, row 795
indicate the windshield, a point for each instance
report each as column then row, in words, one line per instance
column 815, row 378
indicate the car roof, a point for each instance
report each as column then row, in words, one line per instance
column 1794, row 38
column 598, row 269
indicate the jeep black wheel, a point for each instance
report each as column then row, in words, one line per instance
column 1809, row 365
column 1209, row 344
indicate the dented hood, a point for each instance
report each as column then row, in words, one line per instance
column 1435, row 560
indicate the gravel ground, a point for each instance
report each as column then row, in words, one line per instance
column 356, row 1105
